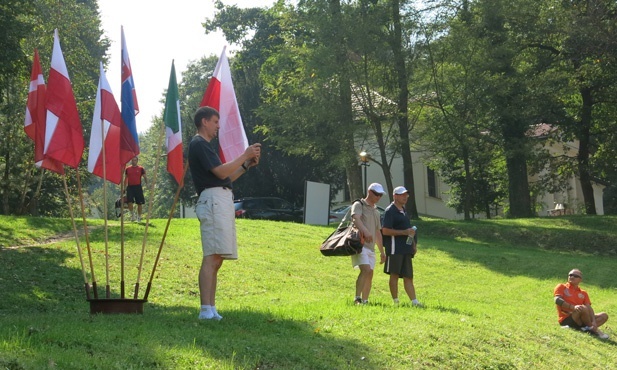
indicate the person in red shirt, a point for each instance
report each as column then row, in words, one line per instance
column 134, row 191
column 574, row 307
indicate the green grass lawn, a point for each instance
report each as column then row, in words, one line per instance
column 487, row 287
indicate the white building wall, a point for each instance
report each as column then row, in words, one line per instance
column 427, row 205
column 572, row 198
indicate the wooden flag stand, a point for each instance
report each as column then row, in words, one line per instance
column 133, row 305
column 116, row 305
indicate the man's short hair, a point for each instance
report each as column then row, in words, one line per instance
column 204, row 112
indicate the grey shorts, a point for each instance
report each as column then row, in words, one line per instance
column 216, row 214
column 399, row 264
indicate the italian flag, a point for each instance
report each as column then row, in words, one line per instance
column 173, row 129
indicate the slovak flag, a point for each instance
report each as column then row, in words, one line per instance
column 129, row 144
column 64, row 139
column 106, row 123
column 220, row 95
column 173, row 129
column 34, row 125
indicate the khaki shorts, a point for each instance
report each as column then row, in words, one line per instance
column 216, row 214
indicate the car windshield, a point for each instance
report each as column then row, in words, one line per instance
column 340, row 208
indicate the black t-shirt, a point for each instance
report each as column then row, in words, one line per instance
column 202, row 159
column 396, row 219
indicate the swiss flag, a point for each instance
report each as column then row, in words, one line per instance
column 106, row 123
column 220, row 95
column 64, row 140
column 34, row 124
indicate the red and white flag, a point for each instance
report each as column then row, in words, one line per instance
column 64, row 139
column 106, row 123
column 220, row 95
column 34, row 124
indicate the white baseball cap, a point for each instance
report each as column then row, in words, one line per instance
column 376, row 187
column 400, row 190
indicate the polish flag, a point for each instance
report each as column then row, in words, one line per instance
column 64, row 140
column 220, row 95
column 106, row 123
column 173, row 129
column 129, row 142
column 34, row 124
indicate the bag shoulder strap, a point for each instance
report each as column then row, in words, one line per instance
column 347, row 217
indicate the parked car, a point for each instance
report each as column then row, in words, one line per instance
column 338, row 212
column 268, row 208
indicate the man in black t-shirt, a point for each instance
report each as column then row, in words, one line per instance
column 400, row 246
column 215, row 206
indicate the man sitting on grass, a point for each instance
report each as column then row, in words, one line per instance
column 574, row 307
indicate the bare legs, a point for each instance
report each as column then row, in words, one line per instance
column 584, row 316
column 139, row 209
column 407, row 285
column 210, row 266
column 364, row 282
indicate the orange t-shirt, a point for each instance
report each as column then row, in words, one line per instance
column 572, row 295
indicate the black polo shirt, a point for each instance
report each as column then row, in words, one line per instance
column 203, row 157
column 396, row 219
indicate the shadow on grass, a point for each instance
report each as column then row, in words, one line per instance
column 522, row 261
column 47, row 316
column 173, row 337
column 593, row 235
column 34, row 279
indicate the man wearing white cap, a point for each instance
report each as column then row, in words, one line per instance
column 366, row 218
column 398, row 240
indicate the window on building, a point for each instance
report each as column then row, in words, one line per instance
column 432, row 183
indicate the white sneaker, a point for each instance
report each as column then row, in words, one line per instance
column 215, row 314
column 603, row 336
column 206, row 315
column 133, row 217
column 417, row 304
column 138, row 218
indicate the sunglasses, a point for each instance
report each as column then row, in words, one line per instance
column 575, row 276
column 376, row 193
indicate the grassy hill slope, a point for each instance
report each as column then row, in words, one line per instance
column 487, row 286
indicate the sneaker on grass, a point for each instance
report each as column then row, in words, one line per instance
column 601, row 335
column 206, row 315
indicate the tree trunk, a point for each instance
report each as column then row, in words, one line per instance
column 583, row 152
column 468, row 195
column 5, row 181
column 518, row 183
column 345, row 113
column 403, row 97
column 376, row 121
